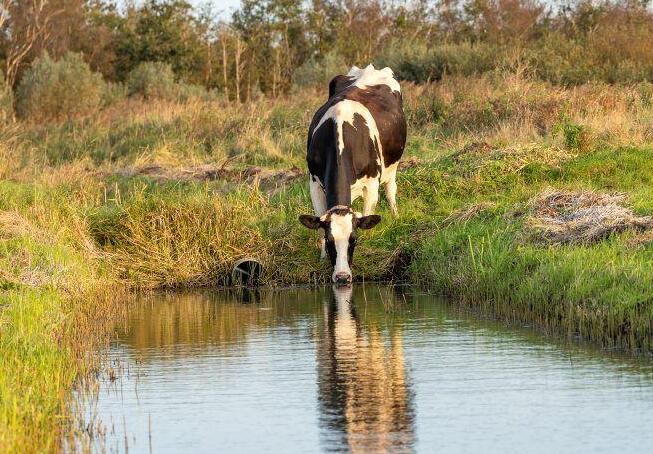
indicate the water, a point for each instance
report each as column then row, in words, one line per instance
column 379, row 370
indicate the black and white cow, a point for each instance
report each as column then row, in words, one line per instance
column 355, row 142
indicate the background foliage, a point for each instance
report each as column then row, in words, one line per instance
column 269, row 46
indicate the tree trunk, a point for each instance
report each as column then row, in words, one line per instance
column 239, row 51
column 223, row 40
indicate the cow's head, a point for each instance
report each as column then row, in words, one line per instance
column 340, row 224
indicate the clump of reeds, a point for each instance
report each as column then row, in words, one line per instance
column 581, row 216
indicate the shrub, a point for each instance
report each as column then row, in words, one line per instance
column 560, row 60
column 59, row 89
column 316, row 72
column 113, row 93
column 429, row 108
column 420, row 63
column 576, row 136
column 153, row 80
column 186, row 92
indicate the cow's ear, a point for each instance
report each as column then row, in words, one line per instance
column 311, row 222
column 337, row 84
column 367, row 222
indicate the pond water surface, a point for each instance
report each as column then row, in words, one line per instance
column 373, row 369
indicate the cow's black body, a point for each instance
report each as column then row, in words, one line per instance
column 362, row 157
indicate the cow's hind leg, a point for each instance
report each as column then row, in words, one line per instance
column 318, row 197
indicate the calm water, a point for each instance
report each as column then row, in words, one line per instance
column 373, row 370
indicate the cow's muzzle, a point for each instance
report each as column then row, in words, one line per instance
column 342, row 279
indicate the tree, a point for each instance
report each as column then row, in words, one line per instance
column 163, row 31
column 363, row 26
column 24, row 25
column 276, row 42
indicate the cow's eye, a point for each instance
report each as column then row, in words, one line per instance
column 352, row 239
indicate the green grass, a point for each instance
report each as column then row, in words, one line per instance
column 600, row 293
column 74, row 226
column 35, row 368
column 53, row 312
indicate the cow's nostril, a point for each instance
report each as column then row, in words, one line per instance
column 343, row 278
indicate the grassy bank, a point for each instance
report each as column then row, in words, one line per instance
column 170, row 195
column 53, row 311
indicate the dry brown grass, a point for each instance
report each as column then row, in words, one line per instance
column 476, row 157
column 509, row 110
column 582, row 216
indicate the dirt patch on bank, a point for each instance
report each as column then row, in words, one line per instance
column 568, row 217
column 267, row 178
column 210, row 172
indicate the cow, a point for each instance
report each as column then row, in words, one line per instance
column 355, row 141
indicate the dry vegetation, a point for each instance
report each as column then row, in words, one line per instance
column 582, row 217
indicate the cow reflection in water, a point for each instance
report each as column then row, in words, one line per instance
column 365, row 400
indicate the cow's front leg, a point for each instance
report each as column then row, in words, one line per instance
column 318, row 197
column 390, row 183
column 391, row 194
column 370, row 197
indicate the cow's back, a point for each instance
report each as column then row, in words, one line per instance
column 363, row 117
column 386, row 107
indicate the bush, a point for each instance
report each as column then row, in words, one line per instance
column 421, row 63
column 186, row 92
column 113, row 93
column 427, row 109
column 554, row 57
column 319, row 72
column 560, row 60
column 156, row 80
column 576, row 136
column 59, row 89
column 153, row 80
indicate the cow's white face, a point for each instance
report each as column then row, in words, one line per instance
column 340, row 224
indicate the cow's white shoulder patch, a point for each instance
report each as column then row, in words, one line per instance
column 343, row 112
column 372, row 76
